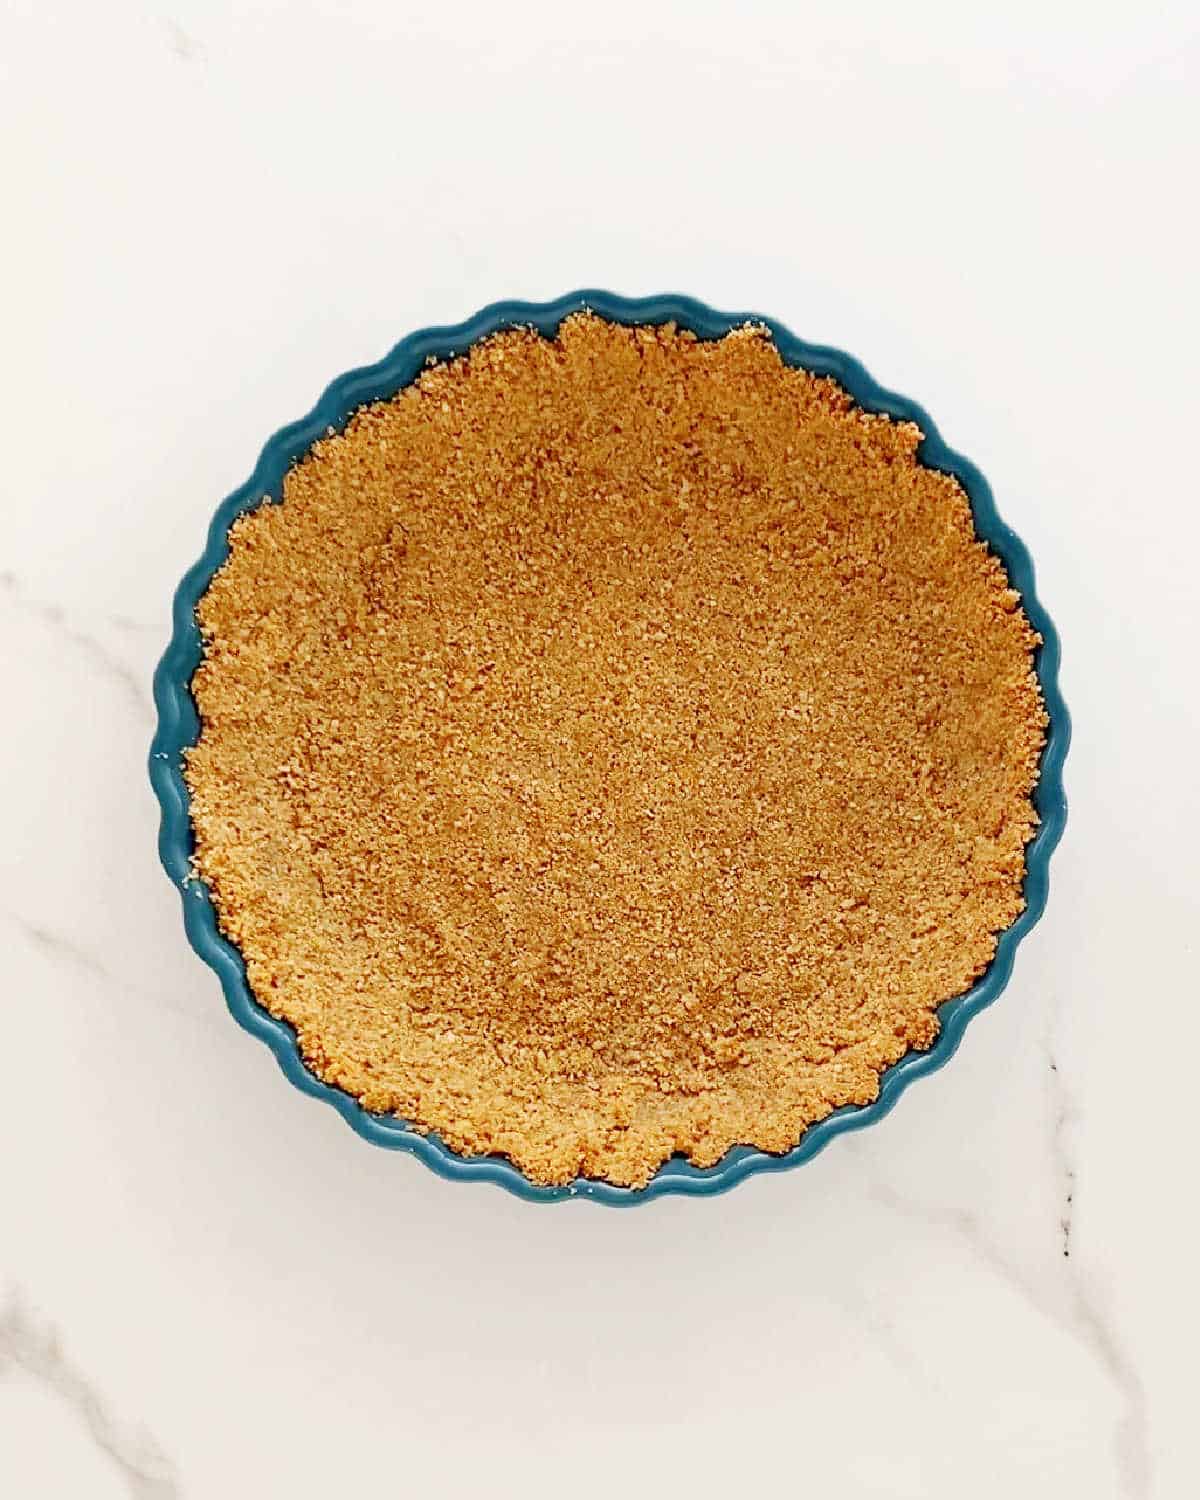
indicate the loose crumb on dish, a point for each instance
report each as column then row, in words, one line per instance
column 613, row 746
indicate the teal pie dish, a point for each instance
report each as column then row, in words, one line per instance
column 178, row 728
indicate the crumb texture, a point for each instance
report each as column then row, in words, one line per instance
column 614, row 746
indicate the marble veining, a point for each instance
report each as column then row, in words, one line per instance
column 59, row 947
column 32, row 1346
column 1070, row 1294
column 1087, row 1307
column 79, row 636
column 1062, row 1112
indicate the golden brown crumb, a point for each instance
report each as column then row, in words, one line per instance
column 614, row 746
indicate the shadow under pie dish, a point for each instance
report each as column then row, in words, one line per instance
column 628, row 755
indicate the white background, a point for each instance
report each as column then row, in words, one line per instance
column 209, row 1287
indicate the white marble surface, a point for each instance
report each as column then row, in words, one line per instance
column 208, row 1286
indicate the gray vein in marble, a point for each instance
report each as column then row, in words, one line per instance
column 1089, row 1315
column 882, row 1331
column 1061, row 1118
column 1079, row 1311
column 57, row 945
column 55, row 618
column 1133, row 1435
column 60, row 947
column 133, row 627
column 32, row 1345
